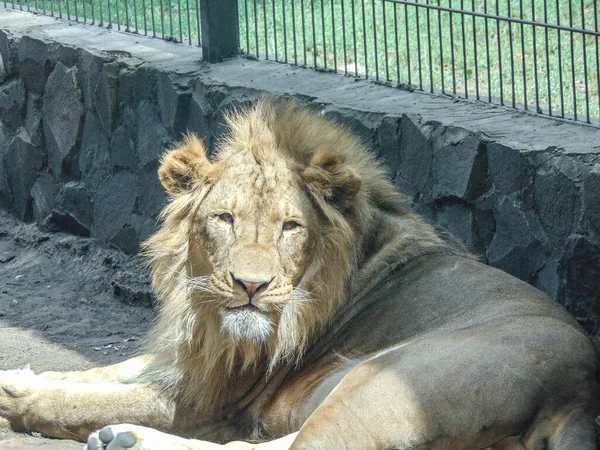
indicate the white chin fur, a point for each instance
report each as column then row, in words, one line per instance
column 246, row 324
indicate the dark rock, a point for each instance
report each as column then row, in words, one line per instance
column 137, row 85
column 362, row 124
column 519, row 244
column 215, row 94
column 24, row 161
column 174, row 104
column 127, row 240
column 414, row 176
column 547, row 279
column 387, row 145
column 484, row 228
column 12, row 103
column 72, row 209
column 457, row 219
column 507, row 169
column 151, row 197
column 63, row 113
column 580, row 271
column 5, row 193
column 90, row 68
column 132, row 289
column 122, row 150
column 200, row 117
column 94, row 154
column 144, row 226
column 106, row 96
column 7, row 256
column 3, row 70
column 66, row 54
column 151, row 135
column 558, row 203
column 8, row 57
column 457, row 168
column 34, row 63
column 33, row 118
column 591, row 198
column 447, row 136
column 113, row 205
column 43, row 194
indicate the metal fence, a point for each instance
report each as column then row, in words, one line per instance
column 537, row 55
column 173, row 20
column 541, row 56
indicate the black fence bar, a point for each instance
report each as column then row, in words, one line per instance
column 219, row 29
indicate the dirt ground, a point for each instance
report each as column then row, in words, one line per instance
column 59, row 311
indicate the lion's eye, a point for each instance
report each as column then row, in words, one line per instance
column 290, row 225
column 226, row 217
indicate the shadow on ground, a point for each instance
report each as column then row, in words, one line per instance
column 58, row 310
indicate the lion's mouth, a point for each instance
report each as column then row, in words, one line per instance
column 246, row 306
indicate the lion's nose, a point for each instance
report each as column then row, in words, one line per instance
column 251, row 287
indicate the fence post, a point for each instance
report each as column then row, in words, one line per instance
column 219, row 29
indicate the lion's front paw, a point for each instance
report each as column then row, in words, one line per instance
column 134, row 437
column 116, row 437
column 16, row 389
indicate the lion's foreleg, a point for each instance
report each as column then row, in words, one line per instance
column 123, row 372
column 67, row 409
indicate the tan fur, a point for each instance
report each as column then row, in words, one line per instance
column 300, row 296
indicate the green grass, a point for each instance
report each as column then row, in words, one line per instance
column 401, row 44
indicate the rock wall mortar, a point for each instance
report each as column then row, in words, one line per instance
column 86, row 113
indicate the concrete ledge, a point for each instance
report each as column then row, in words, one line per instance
column 86, row 112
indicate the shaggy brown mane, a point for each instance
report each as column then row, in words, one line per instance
column 351, row 190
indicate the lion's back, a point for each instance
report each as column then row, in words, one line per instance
column 438, row 294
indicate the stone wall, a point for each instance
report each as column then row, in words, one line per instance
column 86, row 113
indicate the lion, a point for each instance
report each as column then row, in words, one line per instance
column 303, row 305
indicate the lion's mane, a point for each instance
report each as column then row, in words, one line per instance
column 194, row 359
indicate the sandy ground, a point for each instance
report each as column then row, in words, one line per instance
column 58, row 310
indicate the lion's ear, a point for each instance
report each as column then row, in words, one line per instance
column 185, row 166
column 328, row 178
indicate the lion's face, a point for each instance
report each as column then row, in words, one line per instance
column 265, row 232
column 254, row 230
